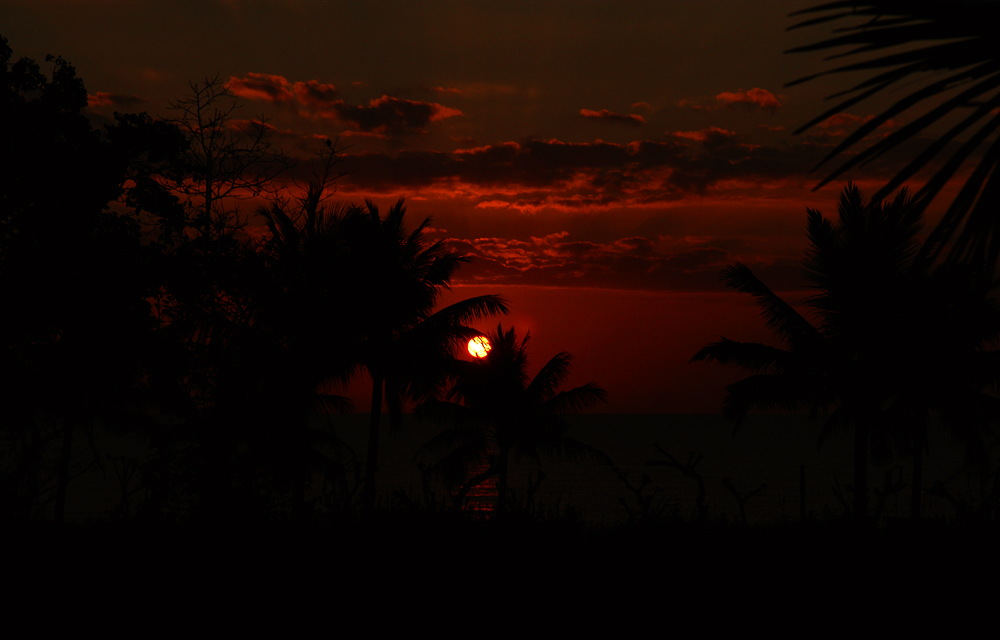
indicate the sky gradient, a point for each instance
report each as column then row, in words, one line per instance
column 601, row 162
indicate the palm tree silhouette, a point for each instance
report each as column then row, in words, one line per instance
column 957, row 69
column 299, row 306
column 891, row 345
column 405, row 346
column 493, row 411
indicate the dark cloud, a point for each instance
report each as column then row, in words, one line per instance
column 385, row 116
column 611, row 116
column 534, row 173
column 315, row 94
column 392, row 115
column 103, row 99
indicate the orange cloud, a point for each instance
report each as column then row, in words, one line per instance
column 837, row 124
column 611, row 116
column 262, row 86
column 711, row 133
column 755, row 98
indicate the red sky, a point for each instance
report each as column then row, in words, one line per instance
column 602, row 162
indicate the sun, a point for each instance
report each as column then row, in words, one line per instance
column 479, row 347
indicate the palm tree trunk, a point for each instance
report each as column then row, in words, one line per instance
column 368, row 494
column 918, row 469
column 502, row 468
column 860, row 473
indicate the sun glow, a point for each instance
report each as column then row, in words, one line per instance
column 479, row 347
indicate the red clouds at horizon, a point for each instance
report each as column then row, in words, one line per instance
column 631, row 263
column 610, row 116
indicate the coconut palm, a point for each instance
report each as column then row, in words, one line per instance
column 494, row 412
column 405, row 346
column 949, row 50
column 892, row 344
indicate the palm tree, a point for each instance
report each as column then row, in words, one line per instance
column 493, row 411
column 956, row 65
column 405, row 346
column 299, row 309
column 893, row 341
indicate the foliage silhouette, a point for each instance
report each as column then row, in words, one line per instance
column 493, row 412
column 75, row 279
column 949, row 49
column 894, row 342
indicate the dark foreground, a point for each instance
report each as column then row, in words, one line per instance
column 386, row 548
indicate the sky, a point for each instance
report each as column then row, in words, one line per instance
column 600, row 162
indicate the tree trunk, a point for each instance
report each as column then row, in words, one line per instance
column 64, row 460
column 368, row 494
column 860, row 473
column 918, row 469
column 502, row 468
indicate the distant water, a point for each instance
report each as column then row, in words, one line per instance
column 766, row 449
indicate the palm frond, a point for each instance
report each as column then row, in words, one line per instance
column 548, row 379
column 779, row 316
column 749, row 356
column 576, row 399
column 955, row 38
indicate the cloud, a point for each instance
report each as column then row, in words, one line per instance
column 631, row 262
column 104, row 99
column 692, row 104
column 392, row 115
column 262, row 86
column 642, row 105
column 611, row 116
column 706, row 135
column 772, row 129
column 384, row 116
column 755, row 98
column 837, row 125
column 535, row 174
column 316, row 95
column 451, row 90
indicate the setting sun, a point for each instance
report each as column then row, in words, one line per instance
column 479, row 347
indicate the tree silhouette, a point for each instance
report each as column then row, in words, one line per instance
column 226, row 158
column 405, row 346
column 74, row 276
column 948, row 50
column 493, row 411
column 892, row 344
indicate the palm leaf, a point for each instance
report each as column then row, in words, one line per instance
column 960, row 41
column 779, row 316
column 749, row 356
